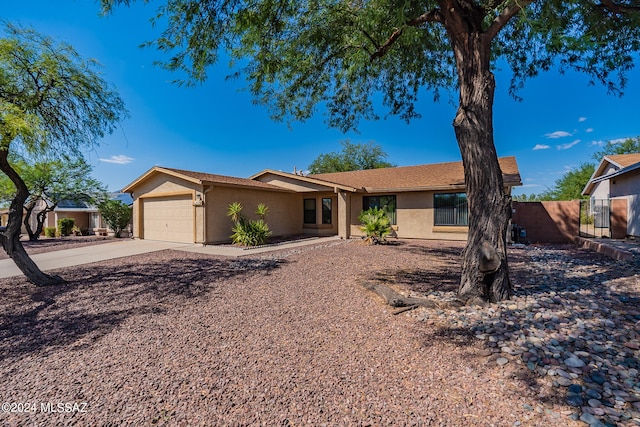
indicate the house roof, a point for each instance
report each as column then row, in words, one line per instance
column 203, row 178
column 623, row 163
column 303, row 178
column 437, row 176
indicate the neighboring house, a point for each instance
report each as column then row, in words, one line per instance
column 618, row 177
column 85, row 215
column 4, row 217
column 426, row 201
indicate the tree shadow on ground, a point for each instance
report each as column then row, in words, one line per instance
column 568, row 302
column 98, row 298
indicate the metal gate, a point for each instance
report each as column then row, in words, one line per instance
column 595, row 218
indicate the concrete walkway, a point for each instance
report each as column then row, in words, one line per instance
column 126, row 247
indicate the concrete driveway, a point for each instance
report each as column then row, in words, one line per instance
column 127, row 247
column 88, row 254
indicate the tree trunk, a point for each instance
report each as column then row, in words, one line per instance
column 10, row 238
column 485, row 272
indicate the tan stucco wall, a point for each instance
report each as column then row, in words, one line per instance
column 414, row 217
column 162, row 185
column 284, row 218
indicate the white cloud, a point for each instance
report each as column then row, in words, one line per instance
column 618, row 141
column 119, row 159
column 589, row 130
column 530, row 185
column 541, row 147
column 598, row 143
column 582, row 119
column 567, row 145
column 558, row 134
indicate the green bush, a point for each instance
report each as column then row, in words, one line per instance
column 116, row 214
column 65, row 225
column 376, row 225
column 249, row 232
column 50, row 232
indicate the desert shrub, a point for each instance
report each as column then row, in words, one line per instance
column 376, row 225
column 116, row 214
column 248, row 232
column 65, row 225
column 50, row 232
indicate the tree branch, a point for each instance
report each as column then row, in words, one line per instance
column 501, row 20
column 618, row 8
column 431, row 16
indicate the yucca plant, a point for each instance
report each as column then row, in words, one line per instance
column 376, row 225
column 249, row 232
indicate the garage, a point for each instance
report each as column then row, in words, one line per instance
column 168, row 218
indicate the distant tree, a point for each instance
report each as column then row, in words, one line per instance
column 51, row 101
column 353, row 56
column 353, row 157
column 533, row 197
column 570, row 185
column 116, row 214
column 54, row 181
column 628, row 146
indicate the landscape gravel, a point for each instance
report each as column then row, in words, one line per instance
column 291, row 338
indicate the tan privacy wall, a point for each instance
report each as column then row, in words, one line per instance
column 284, row 218
column 548, row 222
column 415, row 218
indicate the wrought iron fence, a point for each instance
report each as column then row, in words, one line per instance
column 595, row 218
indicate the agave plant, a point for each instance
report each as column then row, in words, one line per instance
column 376, row 225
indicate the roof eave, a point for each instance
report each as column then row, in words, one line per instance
column 307, row 179
column 157, row 169
column 252, row 187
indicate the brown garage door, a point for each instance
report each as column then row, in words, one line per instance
column 168, row 218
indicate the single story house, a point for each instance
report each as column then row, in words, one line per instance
column 86, row 216
column 426, row 201
column 618, row 177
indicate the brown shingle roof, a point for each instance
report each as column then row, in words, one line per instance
column 432, row 176
column 224, row 179
column 205, row 178
column 625, row 160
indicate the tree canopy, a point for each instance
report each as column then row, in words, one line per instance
column 347, row 57
column 352, row 157
column 627, row 146
column 342, row 53
column 52, row 101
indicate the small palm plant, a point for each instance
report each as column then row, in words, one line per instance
column 247, row 232
column 376, row 225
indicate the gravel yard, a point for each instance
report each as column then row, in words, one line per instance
column 290, row 337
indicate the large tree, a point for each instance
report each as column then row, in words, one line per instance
column 353, row 157
column 51, row 100
column 341, row 54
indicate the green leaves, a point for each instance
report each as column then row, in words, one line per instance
column 49, row 96
column 353, row 157
column 248, row 232
column 352, row 56
column 116, row 214
column 376, row 225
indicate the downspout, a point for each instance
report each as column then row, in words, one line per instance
column 204, row 215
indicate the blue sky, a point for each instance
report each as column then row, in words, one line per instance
column 215, row 128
